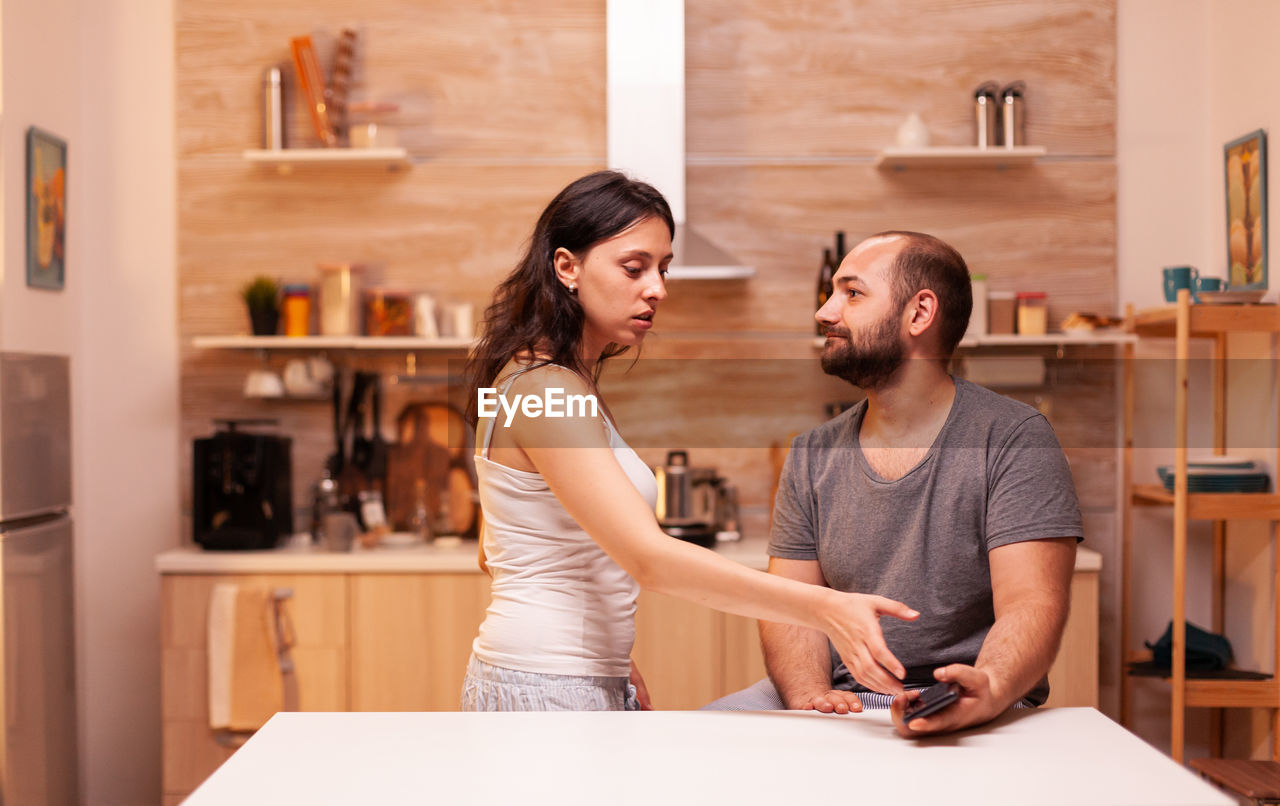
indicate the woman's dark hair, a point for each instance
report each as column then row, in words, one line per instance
column 532, row 312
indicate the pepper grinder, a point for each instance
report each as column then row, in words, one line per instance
column 1013, row 115
column 273, row 109
column 984, row 107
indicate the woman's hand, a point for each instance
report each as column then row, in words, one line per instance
column 853, row 625
column 642, row 691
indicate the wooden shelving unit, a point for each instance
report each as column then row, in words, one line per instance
column 1183, row 322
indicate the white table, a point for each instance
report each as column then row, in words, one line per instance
column 1064, row 755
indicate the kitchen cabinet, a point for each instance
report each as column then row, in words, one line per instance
column 411, row 636
column 318, row 612
column 683, row 651
column 1073, row 678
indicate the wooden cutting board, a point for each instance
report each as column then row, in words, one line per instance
column 433, row 443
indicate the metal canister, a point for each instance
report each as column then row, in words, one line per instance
column 1012, row 115
column 984, row 108
column 273, row 109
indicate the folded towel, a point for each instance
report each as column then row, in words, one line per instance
column 245, row 686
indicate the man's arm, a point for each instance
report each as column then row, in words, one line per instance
column 1030, row 588
column 797, row 658
column 1031, row 592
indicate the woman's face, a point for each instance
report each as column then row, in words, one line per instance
column 620, row 282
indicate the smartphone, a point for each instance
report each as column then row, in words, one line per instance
column 931, row 701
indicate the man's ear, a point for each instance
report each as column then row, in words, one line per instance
column 923, row 312
column 567, row 267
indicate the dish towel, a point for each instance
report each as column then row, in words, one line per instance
column 245, row 683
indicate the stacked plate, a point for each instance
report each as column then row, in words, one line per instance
column 1229, row 297
column 1220, row 474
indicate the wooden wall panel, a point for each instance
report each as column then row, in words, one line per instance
column 1050, row 227
column 837, row 77
column 499, row 78
column 448, row 229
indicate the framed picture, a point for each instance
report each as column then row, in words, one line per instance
column 1246, row 175
column 46, row 209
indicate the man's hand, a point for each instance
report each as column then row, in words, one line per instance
column 642, row 691
column 977, row 703
column 828, row 702
column 855, row 633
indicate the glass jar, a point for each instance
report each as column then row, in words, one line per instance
column 978, row 318
column 297, row 310
column 337, row 299
column 388, row 313
column 1001, row 313
column 1033, row 313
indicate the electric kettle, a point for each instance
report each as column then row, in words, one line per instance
column 687, row 499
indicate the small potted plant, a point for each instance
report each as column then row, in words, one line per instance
column 262, row 296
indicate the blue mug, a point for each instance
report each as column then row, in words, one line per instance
column 1210, row 284
column 1177, row 278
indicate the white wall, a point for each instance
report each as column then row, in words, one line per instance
column 42, row 66
column 1162, row 143
column 99, row 73
column 127, row 417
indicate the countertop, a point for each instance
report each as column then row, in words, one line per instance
column 1046, row 756
column 417, row 559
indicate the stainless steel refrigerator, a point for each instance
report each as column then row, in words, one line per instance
column 38, row 753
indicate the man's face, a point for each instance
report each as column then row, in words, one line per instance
column 862, row 320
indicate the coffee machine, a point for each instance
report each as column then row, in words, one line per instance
column 242, row 490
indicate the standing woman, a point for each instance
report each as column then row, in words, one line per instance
column 569, row 533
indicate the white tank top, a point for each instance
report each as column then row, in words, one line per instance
column 560, row 605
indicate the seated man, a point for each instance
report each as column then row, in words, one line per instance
column 934, row 492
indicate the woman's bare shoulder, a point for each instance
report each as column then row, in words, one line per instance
column 538, row 378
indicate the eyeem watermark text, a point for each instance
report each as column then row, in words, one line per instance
column 553, row 402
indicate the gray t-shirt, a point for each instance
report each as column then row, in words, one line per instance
column 994, row 475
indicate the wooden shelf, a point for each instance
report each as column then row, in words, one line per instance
column 1226, row 692
column 900, row 159
column 1213, row 506
column 1203, row 693
column 1086, row 339
column 1209, row 320
column 285, row 158
column 711, row 273
column 1259, row 780
column 414, row 343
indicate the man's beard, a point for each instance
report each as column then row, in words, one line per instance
column 868, row 362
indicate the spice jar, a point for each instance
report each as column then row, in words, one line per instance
column 297, row 309
column 1033, row 313
column 1001, row 313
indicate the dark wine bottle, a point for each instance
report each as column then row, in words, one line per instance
column 840, row 253
column 825, row 273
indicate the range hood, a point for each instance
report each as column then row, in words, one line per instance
column 645, row 121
